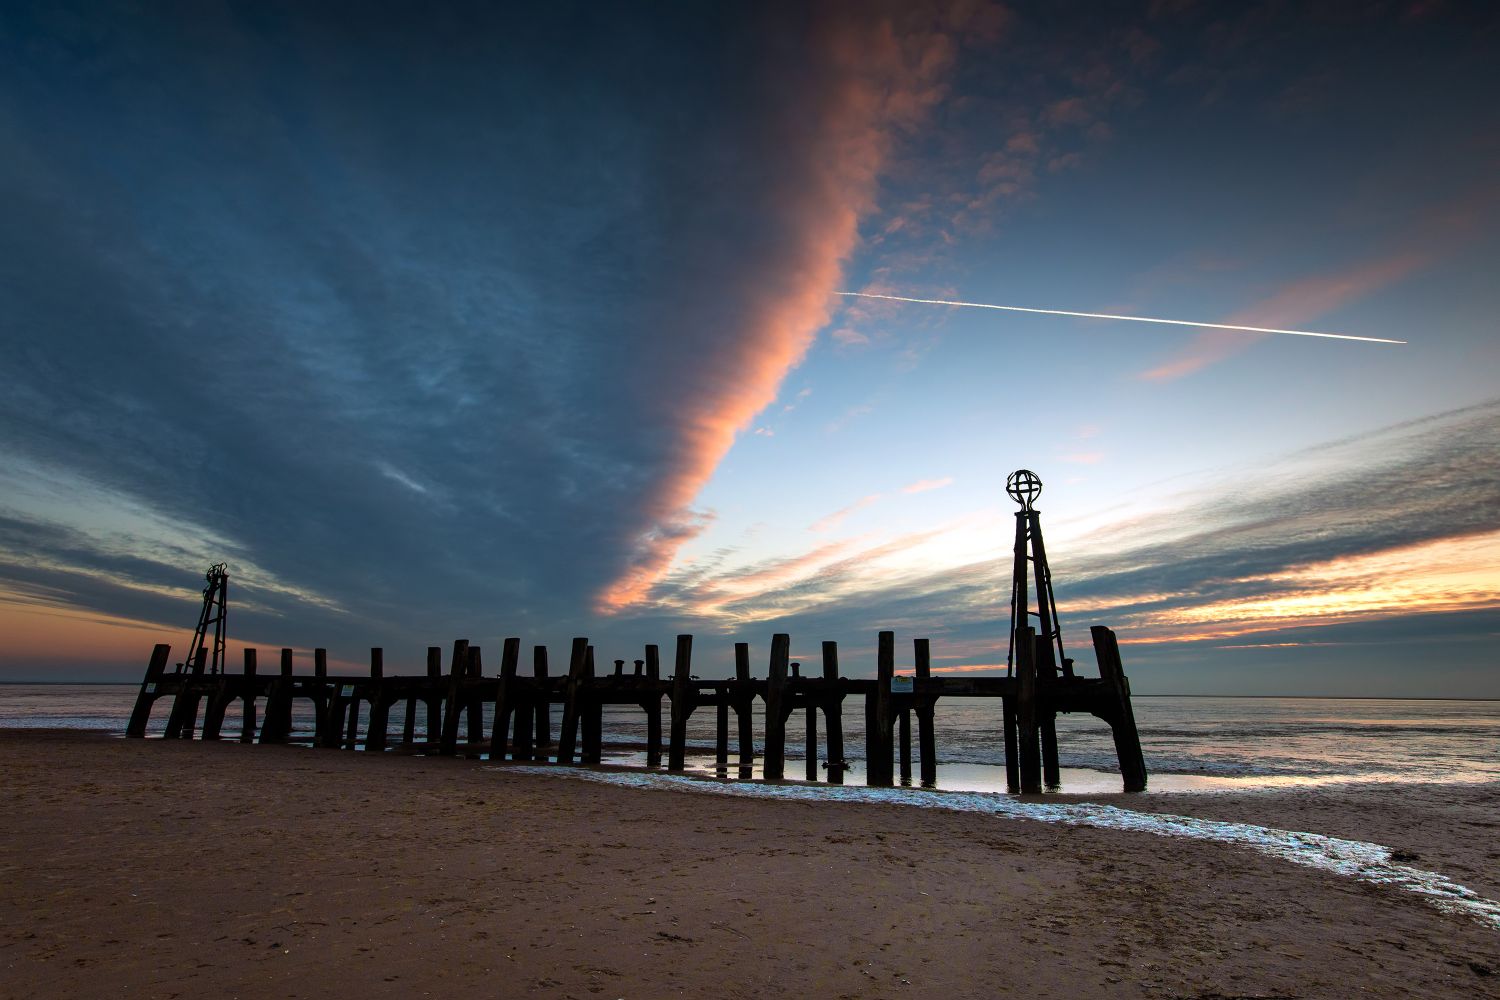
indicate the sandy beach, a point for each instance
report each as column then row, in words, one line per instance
column 193, row 870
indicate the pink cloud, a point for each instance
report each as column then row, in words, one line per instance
column 833, row 520
column 923, row 485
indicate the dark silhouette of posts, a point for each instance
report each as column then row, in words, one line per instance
column 1026, row 711
column 380, row 706
column 543, row 705
column 878, row 737
column 811, row 769
column 682, row 706
column 510, row 654
column 458, row 669
column 591, row 711
column 833, row 713
column 1122, row 724
column 743, row 707
column 653, row 707
column 567, row 739
column 926, row 736
column 774, row 763
column 247, row 698
column 146, row 697
column 278, row 725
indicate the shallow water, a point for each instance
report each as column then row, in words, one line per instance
column 1191, row 744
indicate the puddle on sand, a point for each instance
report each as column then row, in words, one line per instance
column 1350, row 858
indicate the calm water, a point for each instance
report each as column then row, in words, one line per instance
column 1190, row 743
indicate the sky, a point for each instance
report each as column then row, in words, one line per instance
column 452, row 320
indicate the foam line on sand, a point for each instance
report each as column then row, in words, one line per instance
column 1355, row 859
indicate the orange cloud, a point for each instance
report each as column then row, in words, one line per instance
column 879, row 81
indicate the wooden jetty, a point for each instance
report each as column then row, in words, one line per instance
column 451, row 706
column 1040, row 683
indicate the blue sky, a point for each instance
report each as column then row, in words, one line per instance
column 446, row 320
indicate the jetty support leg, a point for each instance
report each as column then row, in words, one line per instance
column 380, row 705
column 567, row 739
column 926, row 737
column 774, row 764
column 833, row 714
column 653, row 707
column 1127, row 737
column 682, row 693
column 1027, row 722
column 146, row 697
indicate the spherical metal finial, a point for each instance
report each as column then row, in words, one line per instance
column 1024, row 486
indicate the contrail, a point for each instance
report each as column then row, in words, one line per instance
column 1132, row 319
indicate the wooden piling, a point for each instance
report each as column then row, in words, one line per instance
column 926, row 735
column 1012, row 744
column 903, row 719
column 146, row 697
column 1026, row 710
column 810, row 771
column 277, row 727
column 510, row 655
column 247, row 699
column 544, row 702
column 567, row 739
column 879, row 769
column 1122, row 724
column 682, row 707
column 473, row 705
column 432, row 717
column 774, row 756
column 591, row 712
column 380, row 705
column 653, row 707
column 721, row 731
column 833, row 713
column 458, row 669
column 743, row 707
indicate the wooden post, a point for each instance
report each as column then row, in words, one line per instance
column 774, row 757
column 432, row 701
column 473, row 706
column 833, row 714
column 879, row 768
column 1127, row 737
column 526, row 713
column 278, row 725
column 510, row 655
column 458, row 669
column 743, row 700
column 183, row 718
column 926, row 737
column 247, row 694
column 567, row 740
column 721, row 730
column 380, row 705
column 1031, row 764
column 320, row 696
column 351, row 738
column 903, row 719
column 810, row 771
column 1012, row 760
column 682, row 707
column 653, row 706
column 544, row 701
column 592, row 715
column 146, row 697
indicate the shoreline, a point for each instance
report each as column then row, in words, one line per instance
column 173, row 868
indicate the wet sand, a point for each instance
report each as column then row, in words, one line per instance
column 133, row 868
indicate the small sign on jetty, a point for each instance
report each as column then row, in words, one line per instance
column 452, row 703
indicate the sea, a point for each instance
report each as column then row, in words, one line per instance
column 1191, row 744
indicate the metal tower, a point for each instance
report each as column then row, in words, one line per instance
column 214, row 615
column 1024, row 486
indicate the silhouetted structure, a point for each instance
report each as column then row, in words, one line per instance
column 1032, row 694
